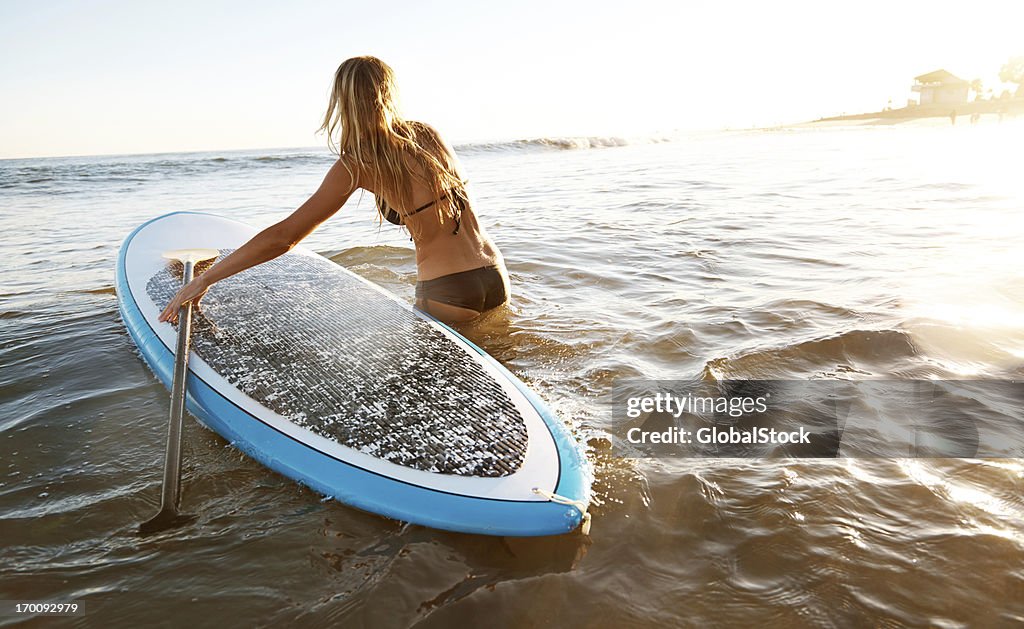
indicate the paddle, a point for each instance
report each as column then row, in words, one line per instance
column 170, row 496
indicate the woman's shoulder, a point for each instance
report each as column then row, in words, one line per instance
column 420, row 127
column 347, row 166
column 427, row 134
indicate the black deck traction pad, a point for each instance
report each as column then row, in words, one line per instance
column 333, row 355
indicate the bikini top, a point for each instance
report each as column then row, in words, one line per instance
column 391, row 215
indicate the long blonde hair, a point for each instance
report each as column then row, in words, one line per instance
column 393, row 151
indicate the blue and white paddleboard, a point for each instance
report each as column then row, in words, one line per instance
column 334, row 382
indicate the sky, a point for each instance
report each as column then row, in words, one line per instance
column 88, row 77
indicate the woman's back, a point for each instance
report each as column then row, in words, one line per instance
column 446, row 241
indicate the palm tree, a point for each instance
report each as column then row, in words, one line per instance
column 977, row 87
column 1013, row 72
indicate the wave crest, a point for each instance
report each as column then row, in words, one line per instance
column 559, row 143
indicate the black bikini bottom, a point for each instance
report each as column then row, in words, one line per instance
column 478, row 289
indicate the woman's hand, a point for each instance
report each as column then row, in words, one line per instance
column 193, row 292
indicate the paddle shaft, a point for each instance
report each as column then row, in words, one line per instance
column 170, row 497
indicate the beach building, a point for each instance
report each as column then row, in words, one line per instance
column 940, row 87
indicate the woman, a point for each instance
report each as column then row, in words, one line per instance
column 416, row 179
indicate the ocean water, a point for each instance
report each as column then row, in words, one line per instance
column 873, row 252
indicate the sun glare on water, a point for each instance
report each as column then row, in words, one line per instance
column 967, row 303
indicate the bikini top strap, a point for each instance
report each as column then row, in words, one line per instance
column 461, row 197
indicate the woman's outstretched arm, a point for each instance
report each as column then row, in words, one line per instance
column 273, row 241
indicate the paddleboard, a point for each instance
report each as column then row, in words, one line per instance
column 332, row 381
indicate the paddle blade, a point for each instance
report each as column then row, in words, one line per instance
column 165, row 520
column 194, row 256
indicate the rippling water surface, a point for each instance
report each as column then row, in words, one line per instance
column 851, row 253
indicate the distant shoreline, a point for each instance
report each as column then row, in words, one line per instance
column 1007, row 107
